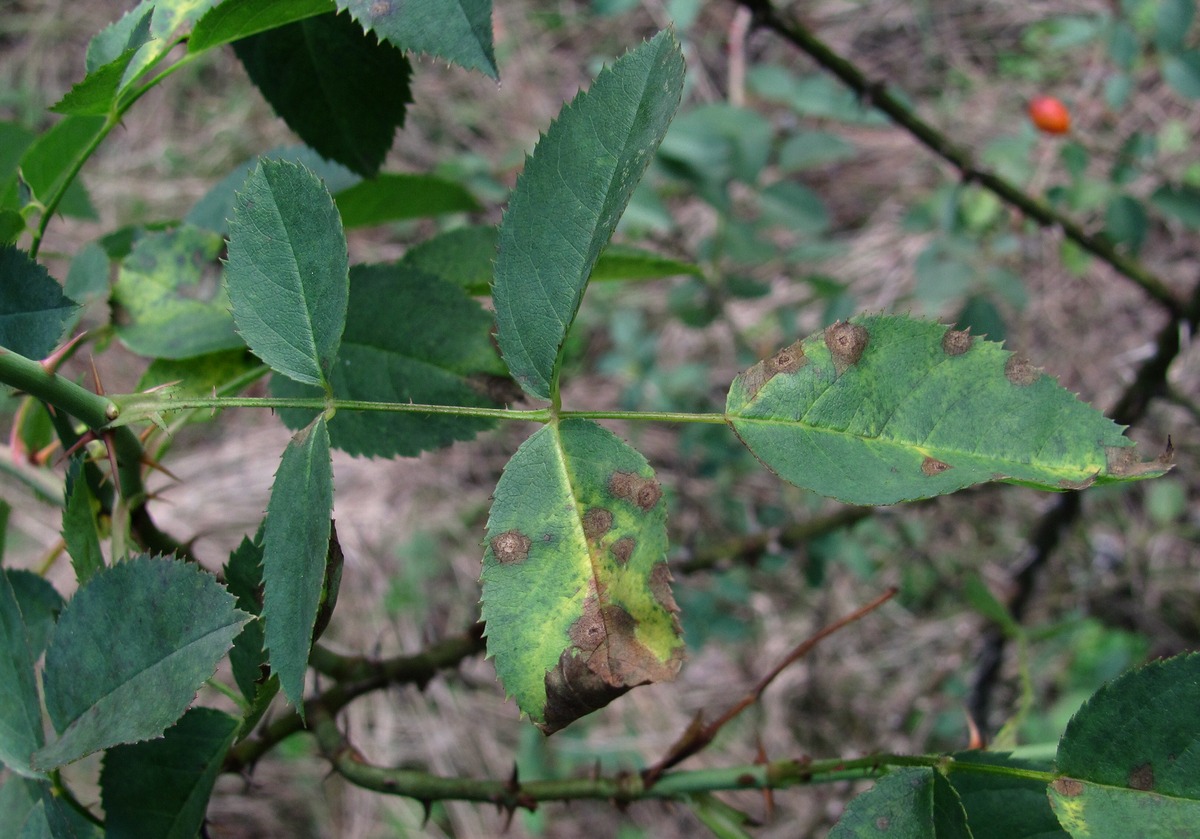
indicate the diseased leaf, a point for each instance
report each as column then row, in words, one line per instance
column 1088, row 810
column 161, row 787
column 395, row 197
column 33, row 309
column 340, row 89
column 882, row 409
column 459, row 31
column 287, row 271
column 915, row 803
column 576, row 591
column 568, row 200
column 20, row 710
column 295, row 546
column 79, row 529
column 232, row 20
column 168, row 299
column 409, row 338
column 129, row 653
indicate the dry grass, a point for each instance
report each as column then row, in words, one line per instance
column 411, row 529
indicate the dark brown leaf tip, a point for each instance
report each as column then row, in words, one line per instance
column 1142, row 777
column 510, row 546
column 622, row 549
column 1067, row 787
column 644, row 492
column 1020, row 371
column 957, row 341
column 931, row 467
column 596, row 522
column 1123, row 462
column 846, row 342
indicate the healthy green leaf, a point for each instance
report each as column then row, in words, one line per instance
column 576, row 591
column 31, row 810
column 568, row 201
column 33, row 309
column 340, row 89
column 459, row 31
column 883, row 409
column 161, row 787
column 168, row 300
column 810, row 149
column 20, row 711
column 12, row 225
column 87, row 278
column 287, row 271
column 1182, row 203
column 129, row 653
column 248, row 658
column 232, row 20
column 1004, row 806
column 295, row 546
column 409, row 338
column 1182, row 72
column 723, row 820
column 131, row 31
column 48, row 161
column 40, row 606
column 220, row 372
column 14, row 140
column 396, row 197
column 79, row 528
column 100, row 89
column 717, row 143
column 915, row 803
column 624, row 262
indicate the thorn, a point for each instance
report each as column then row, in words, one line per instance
column 164, row 386
column 975, row 741
column 112, row 458
column 147, row 460
column 83, row 440
column 427, row 806
column 50, row 363
column 96, row 376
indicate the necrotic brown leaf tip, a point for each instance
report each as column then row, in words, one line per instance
column 510, row 546
column 846, row 342
column 644, row 492
column 957, row 341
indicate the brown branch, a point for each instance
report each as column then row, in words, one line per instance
column 876, row 93
column 699, row 734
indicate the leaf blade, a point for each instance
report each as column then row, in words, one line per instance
column 568, row 200
column 459, row 31
column 20, row 710
column 33, row 309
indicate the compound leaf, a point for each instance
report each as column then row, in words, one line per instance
column 459, row 31
column 340, row 89
column 576, row 590
column 409, row 338
column 162, row 787
column 33, row 309
column 568, row 200
column 916, row 803
column 888, row 408
column 20, row 710
column 168, row 300
column 295, row 546
column 129, row 653
column 288, row 270
column 1130, row 756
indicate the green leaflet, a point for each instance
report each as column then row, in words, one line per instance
column 409, row 338
column 20, row 711
column 885, row 408
column 295, row 546
column 569, row 199
column 287, row 271
column 459, row 31
column 48, row 161
column 341, row 90
column 576, row 589
column 111, row 56
column 129, row 653
column 1131, row 756
column 33, row 309
column 916, row 803
column 1001, row 806
column 168, row 301
column 396, row 197
column 79, row 527
column 161, row 787
column 32, row 811
column 232, row 20
column 248, row 658
column 40, row 606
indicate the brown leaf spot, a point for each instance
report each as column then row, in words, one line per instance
column 1142, row 777
column 622, row 549
column 787, row 360
column 596, row 522
column 957, row 341
column 574, row 691
column 931, row 467
column 644, row 492
column 1123, row 462
column 1020, row 371
column 1067, row 787
column 882, row 823
column 660, row 587
column 846, row 343
column 1084, row 484
column 380, row 8
column 510, row 546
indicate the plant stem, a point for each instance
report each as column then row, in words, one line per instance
column 876, row 93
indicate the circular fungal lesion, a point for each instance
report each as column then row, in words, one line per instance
column 510, row 546
column 957, row 341
column 1020, row 371
column 622, row 549
column 787, row 360
column 846, row 342
column 932, row 466
column 644, row 492
column 596, row 522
